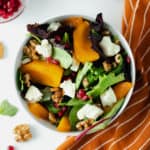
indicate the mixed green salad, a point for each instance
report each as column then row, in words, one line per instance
column 73, row 72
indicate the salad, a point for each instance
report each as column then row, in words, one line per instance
column 74, row 72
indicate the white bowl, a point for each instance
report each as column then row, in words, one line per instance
column 125, row 45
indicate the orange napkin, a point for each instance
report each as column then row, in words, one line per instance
column 131, row 131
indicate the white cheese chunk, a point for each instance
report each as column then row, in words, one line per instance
column 33, row 94
column 89, row 111
column 109, row 48
column 68, row 88
column 75, row 65
column 54, row 26
column 45, row 49
column 108, row 98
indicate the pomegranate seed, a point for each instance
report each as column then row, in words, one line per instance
column 57, row 39
column 128, row 59
column 85, row 97
column 73, row 74
column 54, row 61
column 81, row 93
column 67, row 46
column 10, row 147
column 56, row 105
column 60, row 114
column 64, row 109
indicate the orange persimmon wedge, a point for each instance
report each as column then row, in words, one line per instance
column 64, row 124
column 44, row 73
column 82, row 44
column 73, row 21
column 38, row 110
column 122, row 89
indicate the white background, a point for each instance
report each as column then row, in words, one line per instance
column 12, row 34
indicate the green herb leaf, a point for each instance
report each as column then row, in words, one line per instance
column 76, row 102
column 73, row 116
column 46, row 94
column 87, row 66
column 119, row 68
column 20, row 81
column 7, row 109
column 105, row 82
column 66, row 38
column 52, row 109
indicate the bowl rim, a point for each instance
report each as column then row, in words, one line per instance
column 125, row 45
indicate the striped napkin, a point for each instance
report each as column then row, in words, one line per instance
column 131, row 131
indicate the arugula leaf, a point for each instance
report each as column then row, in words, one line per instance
column 105, row 82
column 76, row 102
column 73, row 116
column 52, row 109
column 87, row 66
column 46, row 94
column 7, row 109
column 20, row 81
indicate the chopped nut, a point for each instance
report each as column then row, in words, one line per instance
column 54, row 89
column 52, row 118
column 106, row 32
column 107, row 66
column 27, row 79
column 84, row 124
column 114, row 64
column 33, row 43
column 57, row 95
column 85, row 82
column 117, row 58
column 1, row 50
column 22, row 133
column 117, row 42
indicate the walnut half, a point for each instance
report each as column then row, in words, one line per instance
column 84, row 124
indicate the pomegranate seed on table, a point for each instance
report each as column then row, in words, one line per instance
column 10, row 147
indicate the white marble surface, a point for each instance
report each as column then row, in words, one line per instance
column 12, row 34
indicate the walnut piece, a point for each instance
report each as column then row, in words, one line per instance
column 107, row 66
column 27, row 79
column 84, row 124
column 52, row 118
column 30, row 50
column 57, row 95
column 22, row 133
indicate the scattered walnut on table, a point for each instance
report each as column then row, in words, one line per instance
column 84, row 124
column 22, row 133
column 57, row 95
